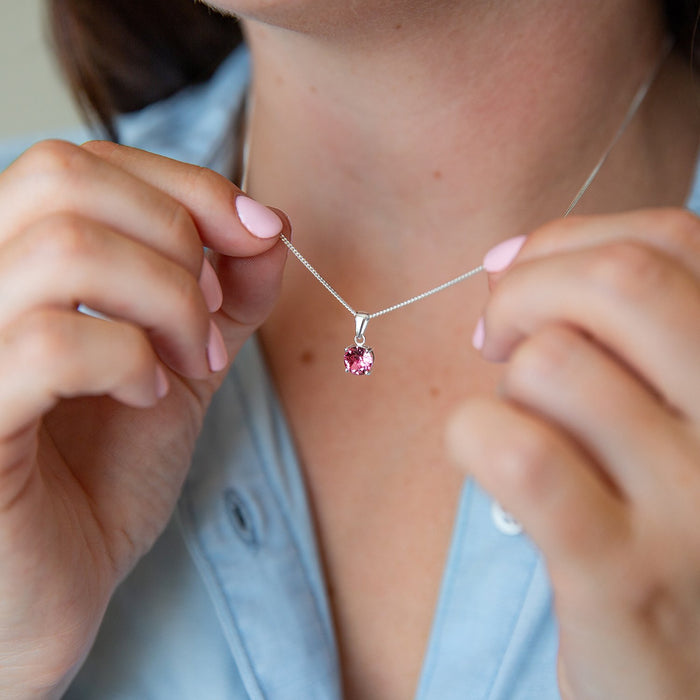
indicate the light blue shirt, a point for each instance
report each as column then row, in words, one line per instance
column 231, row 603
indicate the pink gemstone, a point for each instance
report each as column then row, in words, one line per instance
column 358, row 360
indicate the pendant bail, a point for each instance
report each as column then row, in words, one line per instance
column 361, row 321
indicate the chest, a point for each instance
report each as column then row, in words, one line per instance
column 383, row 540
column 383, row 495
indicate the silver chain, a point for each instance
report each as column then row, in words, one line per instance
column 631, row 111
column 418, row 297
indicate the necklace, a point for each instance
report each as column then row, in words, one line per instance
column 358, row 358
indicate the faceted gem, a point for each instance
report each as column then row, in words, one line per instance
column 358, row 360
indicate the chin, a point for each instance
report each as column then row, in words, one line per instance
column 323, row 17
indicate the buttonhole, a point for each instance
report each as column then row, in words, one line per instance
column 241, row 517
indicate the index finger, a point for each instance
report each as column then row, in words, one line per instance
column 228, row 221
column 675, row 232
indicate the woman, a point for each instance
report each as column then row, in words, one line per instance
column 310, row 552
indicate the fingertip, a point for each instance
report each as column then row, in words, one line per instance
column 286, row 223
column 500, row 257
column 217, row 355
column 162, row 383
column 260, row 221
column 210, row 286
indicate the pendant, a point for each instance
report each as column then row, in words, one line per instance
column 359, row 359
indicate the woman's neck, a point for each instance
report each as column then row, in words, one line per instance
column 432, row 136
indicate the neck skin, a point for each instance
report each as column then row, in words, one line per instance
column 429, row 136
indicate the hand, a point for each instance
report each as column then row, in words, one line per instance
column 594, row 441
column 92, row 450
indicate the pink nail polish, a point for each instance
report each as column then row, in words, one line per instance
column 502, row 255
column 216, row 349
column 479, row 334
column 162, row 383
column 258, row 219
column 210, row 286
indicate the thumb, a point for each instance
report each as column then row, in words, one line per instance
column 250, row 287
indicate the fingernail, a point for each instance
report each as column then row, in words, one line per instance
column 216, row 349
column 258, row 219
column 210, row 286
column 499, row 257
column 479, row 334
column 162, row 383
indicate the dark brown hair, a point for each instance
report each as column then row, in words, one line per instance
column 120, row 55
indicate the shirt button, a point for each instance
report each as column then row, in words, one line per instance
column 504, row 521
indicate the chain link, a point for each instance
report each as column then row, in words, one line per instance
column 315, row 273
